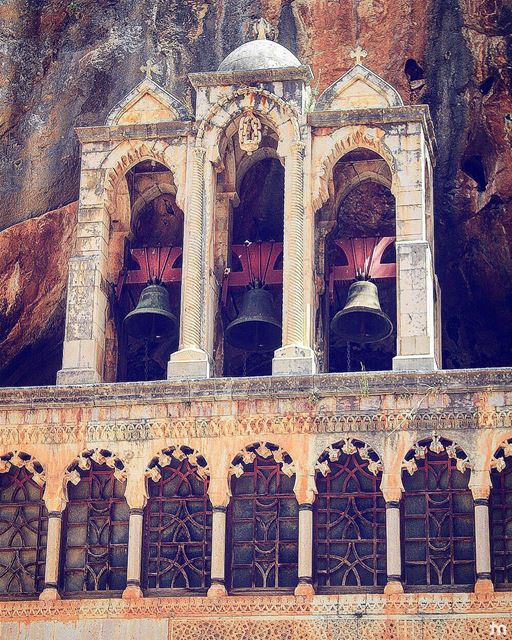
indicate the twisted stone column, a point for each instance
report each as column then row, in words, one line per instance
column 295, row 356
column 191, row 361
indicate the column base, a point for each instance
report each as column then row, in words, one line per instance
column 304, row 589
column 393, row 587
column 484, row 586
column 49, row 594
column 217, row 590
column 419, row 364
column 189, row 364
column 132, row 592
column 294, row 361
column 66, row 377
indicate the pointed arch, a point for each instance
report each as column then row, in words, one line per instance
column 359, row 88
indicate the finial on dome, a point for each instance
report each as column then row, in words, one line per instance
column 262, row 29
column 358, row 54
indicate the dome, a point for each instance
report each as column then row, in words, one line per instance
column 259, row 54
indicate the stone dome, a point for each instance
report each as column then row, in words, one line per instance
column 259, row 54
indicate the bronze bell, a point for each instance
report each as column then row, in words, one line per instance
column 257, row 327
column 362, row 319
column 152, row 317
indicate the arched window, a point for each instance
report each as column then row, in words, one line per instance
column 349, row 518
column 500, row 512
column 263, row 519
column 177, row 522
column 437, row 516
column 95, row 525
column 23, row 525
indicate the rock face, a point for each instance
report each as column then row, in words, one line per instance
column 66, row 63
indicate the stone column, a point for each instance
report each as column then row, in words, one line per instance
column 192, row 360
column 305, row 586
column 55, row 508
column 218, row 571
column 393, row 548
column 295, row 357
column 133, row 573
column 482, row 533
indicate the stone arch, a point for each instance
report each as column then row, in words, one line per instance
column 148, row 102
column 164, row 458
column 22, row 459
column 349, row 446
column 149, row 195
column 100, row 456
column 342, row 142
column 359, row 88
column 127, row 154
column 265, row 450
column 264, row 103
column 498, row 462
column 436, row 444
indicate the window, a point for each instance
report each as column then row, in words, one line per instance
column 437, row 516
column 263, row 520
column 177, row 523
column 95, row 525
column 500, row 513
column 349, row 518
column 23, row 526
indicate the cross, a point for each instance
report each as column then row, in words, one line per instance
column 358, row 54
column 262, row 29
column 149, row 68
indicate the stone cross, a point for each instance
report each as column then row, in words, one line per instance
column 262, row 29
column 358, row 54
column 149, row 68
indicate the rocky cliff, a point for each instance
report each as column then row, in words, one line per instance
column 65, row 63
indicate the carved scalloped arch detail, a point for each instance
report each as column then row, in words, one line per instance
column 498, row 462
column 21, row 459
column 100, row 456
column 224, row 107
column 436, row 444
column 349, row 446
column 265, row 450
column 341, row 143
column 180, row 453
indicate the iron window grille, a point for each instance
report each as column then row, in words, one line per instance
column 349, row 521
column 437, row 515
column 23, row 532
column 95, row 532
column 177, row 529
column 263, row 524
column 500, row 508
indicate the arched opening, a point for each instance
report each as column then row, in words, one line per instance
column 262, row 520
column 249, row 330
column 145, row 317
column 349, row 519
column 358, row 314
column 437, row 517
column 95, row 526
column 500, row 512
column 177, row 523
column 23, row 527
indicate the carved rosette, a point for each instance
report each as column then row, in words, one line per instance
column 20, row 459
column 437, row 445
column 349, row 447
column 265, row 450
column 100, row 456
column 166, row 456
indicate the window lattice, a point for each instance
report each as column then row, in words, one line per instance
column 177, row 529
column 349, row 524
column 438, row 523
column 500, row 511
column 23, row 528
column 95, row 532
column 263, row 525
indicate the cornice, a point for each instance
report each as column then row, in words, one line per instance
column 232, row 78
column 158, row 130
